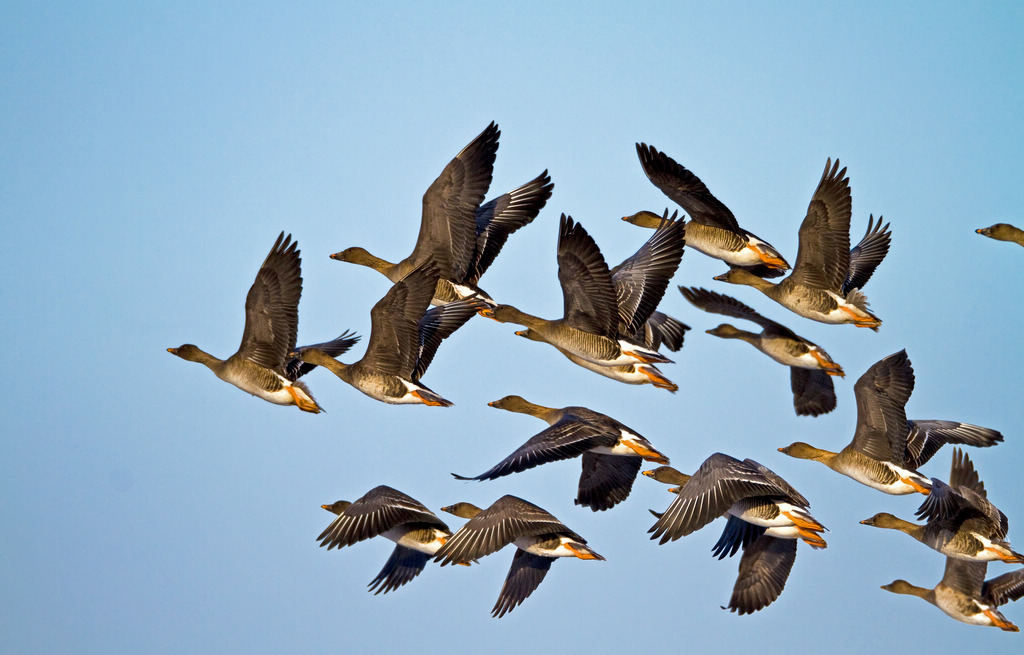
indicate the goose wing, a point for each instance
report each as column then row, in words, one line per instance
column 448, row 227
column 823, row 257
column 882, row 393
column 272, row 307
column 587, row 289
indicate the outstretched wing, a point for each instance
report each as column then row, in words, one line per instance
column 823, row 258
column 272, row 307
column 448, row 226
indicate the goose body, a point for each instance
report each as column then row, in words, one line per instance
column 964, row 594
column 751, row 492
column 961, row 522
column 403, row 341
column 810, row 366
column 591, row 326
column 627, row 374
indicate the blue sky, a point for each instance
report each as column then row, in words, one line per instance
column 152, row 153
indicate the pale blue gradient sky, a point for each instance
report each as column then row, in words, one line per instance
column 152, row 153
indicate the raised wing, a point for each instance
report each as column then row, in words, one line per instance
column 448, row 227
column 394, row 343
column 867, row 255
column 882, row 393
column 499, row 218
column 641, row 280
column 587, row 291
column 685, row 189
column 272, row 307
column 823, row 258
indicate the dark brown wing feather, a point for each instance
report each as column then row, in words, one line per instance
column 587, row 290
column 500, row 217
column 867, row 255
column 685, row 189
column 814, row 393
column 393, row 347
column 882, row 393
column 764, row 570
column 448, row 227
column 525, row 575
column 641, row 280
column 606, row 480
column 272, row 307
column 823, row 258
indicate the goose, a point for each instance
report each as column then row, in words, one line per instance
column 965, row 595
column 765, row 518
column 262, row 366
column 611, row 451
column 726, row 486
column 961, row 522
column 821, row 284
column 458, row 234
column 712, row 228
column 887, row 449
column 810, row 366
column 539, row 538
column 384, row 511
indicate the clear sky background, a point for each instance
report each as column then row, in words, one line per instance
column 151, row 154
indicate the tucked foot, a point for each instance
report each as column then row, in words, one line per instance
column 583, row 551
column 917, row 487
column 770, row 259
column 303, row 402
column 657, row 379
column 432, row 400
column 648, row 454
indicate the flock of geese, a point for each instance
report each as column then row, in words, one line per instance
column 610, row 325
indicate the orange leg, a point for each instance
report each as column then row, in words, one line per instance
column 1011, row 558
column 769, row 261
column 647, row 453
column 657, row 379
column 1000, row 622
column 812, row 539
column 427, row 401
column 829, row 367
column 918, row 488
column 802, row 523
column 302, row 402
column 583, row 554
